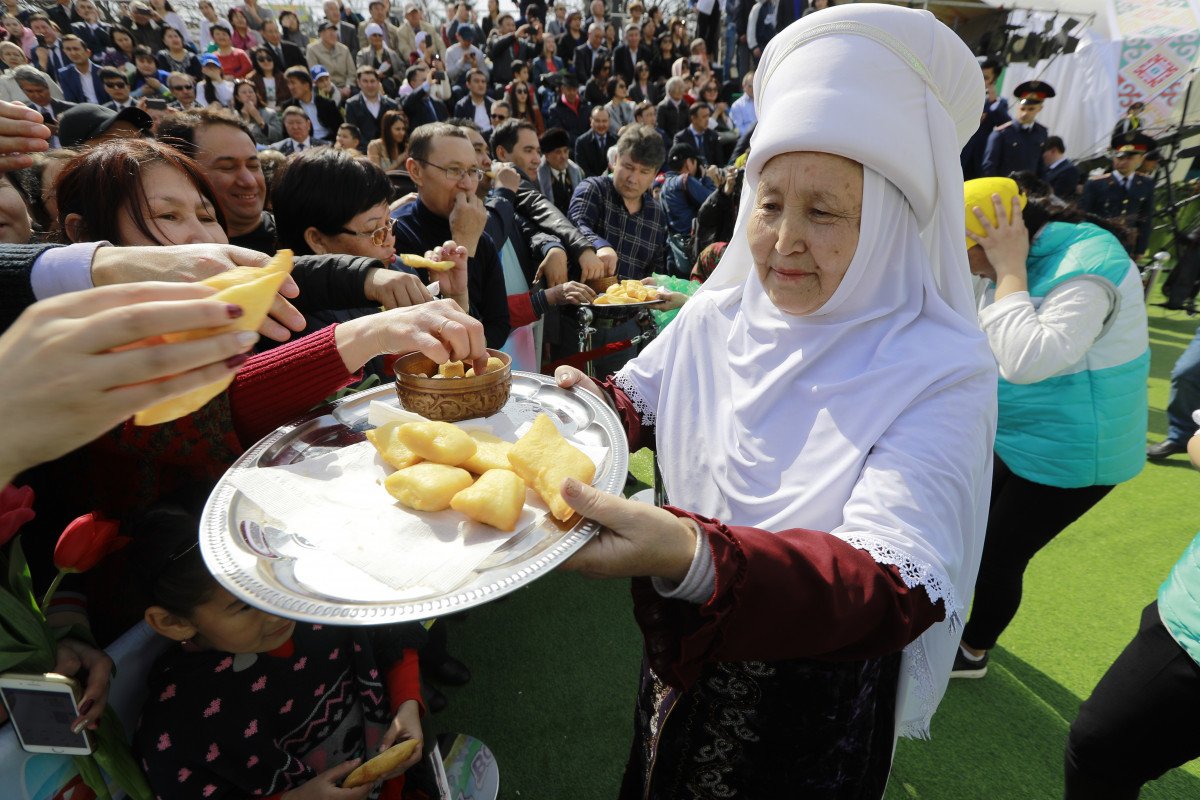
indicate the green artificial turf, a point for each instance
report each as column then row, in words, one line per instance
column 555, row 664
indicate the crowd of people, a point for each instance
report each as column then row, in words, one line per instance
column 803, row 592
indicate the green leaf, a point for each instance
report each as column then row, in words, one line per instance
column 92, row 776
column 22, row 658
column 26, row 626
column 20, row 582
column 113, row 754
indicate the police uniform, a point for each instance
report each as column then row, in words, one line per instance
column 1014, row 147
column 1128, row 201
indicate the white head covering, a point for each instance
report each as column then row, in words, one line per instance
column 873, row 417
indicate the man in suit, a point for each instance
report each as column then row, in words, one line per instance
column 63, row 14
column 474, row 104
column 1017, row 146
column 287, row 54
column 322, row 112
column 47, row 57
column 36, row 86
column 625, row 56
column 672, row 112
column 418, row 105
column 81, row 81
column 699, row 136
column 591, row 148
column 1061, row 172
column 570, row 111
column 1123, row 195
column 557, row 174
column 994, row 114
column 366, row 109
column 93, row 32
column 590, row 50
column 299, row 133
column 509, row 45
column 347, row 32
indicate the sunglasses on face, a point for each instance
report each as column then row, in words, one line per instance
column 114, row 85
column 500, row 117
column 187, row 87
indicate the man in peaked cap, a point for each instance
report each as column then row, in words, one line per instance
column 1017, row 146
column 1124, row 195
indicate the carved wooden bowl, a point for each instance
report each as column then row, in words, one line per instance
column 451, row 399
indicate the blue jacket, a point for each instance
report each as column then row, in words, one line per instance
column 1086, row 425
column 682, row 196
column 72, row 86
column 1179, row 601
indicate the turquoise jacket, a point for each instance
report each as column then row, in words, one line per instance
column 1179, row 601
column 1086, row 425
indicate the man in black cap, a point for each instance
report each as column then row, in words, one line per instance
column 1123, row 195
column 570, row 111
column 1017, row 146
column 87, row 124
column 682, row 195
column 558, row 175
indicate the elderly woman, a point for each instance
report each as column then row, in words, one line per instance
column 823, row 412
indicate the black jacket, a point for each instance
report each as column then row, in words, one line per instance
column 624, row 61
column 328, row 113
column 1064, row 179
column 541, row 212
column 293, row 56
column 359, row 115
column 672, row 119
column 591, row 154
column 417, row 110
column 710, row 152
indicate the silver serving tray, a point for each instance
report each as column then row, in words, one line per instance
column 273, row 570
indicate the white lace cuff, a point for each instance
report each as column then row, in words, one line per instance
column 644, row 409
column 701, row 579
column 914, row 573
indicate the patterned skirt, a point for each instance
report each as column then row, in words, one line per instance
column 754, row 730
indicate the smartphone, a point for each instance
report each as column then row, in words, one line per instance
column 42, row 708
column 156, row 104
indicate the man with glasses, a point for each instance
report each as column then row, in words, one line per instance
column 1123, row 195
column 116, row 85
column 500, row 113
column 183, row 88
column 474, row 105
column 444, row 166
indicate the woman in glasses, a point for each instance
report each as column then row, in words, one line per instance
column 264, row 124
column 620, row 109
column 522, row 104
column 390, row 150
column 174, row 57
column 268, row 79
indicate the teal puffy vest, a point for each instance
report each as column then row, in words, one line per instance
column 1086, row 425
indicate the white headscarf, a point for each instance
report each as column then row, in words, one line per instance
column 873, row 417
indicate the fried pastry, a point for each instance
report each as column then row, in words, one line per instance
column 491, row 452
column 544, row 459
column 374, row 769
column 439, row 442
column 427, row 486
column 495, row 499
column 393, row 451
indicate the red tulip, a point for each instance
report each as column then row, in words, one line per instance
column 16, row 508
column 86, row 541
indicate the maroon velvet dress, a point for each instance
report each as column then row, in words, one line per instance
column 783, row 683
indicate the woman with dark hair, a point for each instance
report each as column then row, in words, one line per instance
column 573, row 38
column 390, row 150
column 120, row 55
column 523, row 103
column 268, row 79
column 242, row 37
column 152, row 195
column 620, row 110
column 491, row 18
column 1061, row 304
column 264, row 124
column 663, row 59
column 174, row 57
column 328, row 201
column 680, row 44
column 649, row 31
column 214, row 88
column 289, row 24
column 234, row 61
column 643, row 87
column 594, row 91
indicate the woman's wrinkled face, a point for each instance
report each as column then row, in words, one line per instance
column 804, row 227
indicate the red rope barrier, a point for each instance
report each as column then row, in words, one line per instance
column 579, row 360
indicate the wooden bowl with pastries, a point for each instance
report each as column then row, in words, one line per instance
column 452, row 392
column 599, row 285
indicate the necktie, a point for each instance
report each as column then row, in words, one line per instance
column 432, row 111
column 299, row 147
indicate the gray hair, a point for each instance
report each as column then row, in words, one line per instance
column 27, row 74
column 674, row 82
column 596, row 26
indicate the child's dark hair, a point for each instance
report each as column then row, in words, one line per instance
column 165, row 557
column 1045, row 207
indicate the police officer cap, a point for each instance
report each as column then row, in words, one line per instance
column 1134, row 142
column 1031, row 92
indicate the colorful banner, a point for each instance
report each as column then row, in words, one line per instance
column 1160, row 40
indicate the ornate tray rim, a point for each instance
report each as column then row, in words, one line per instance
column 221, row 551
